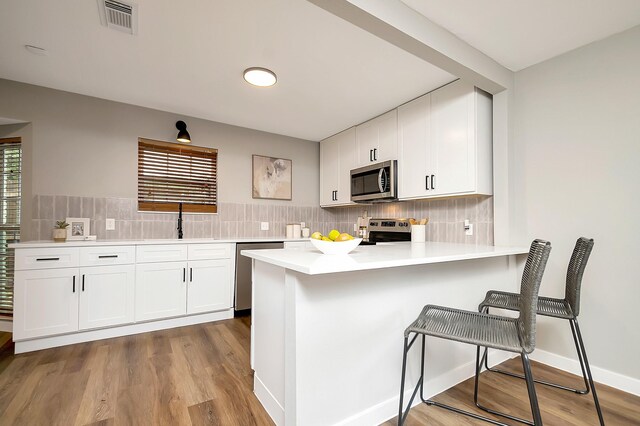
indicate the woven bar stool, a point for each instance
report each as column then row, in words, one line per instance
column 483, row 330
column 567, row 308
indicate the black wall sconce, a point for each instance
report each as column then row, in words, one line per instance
column 183, row 135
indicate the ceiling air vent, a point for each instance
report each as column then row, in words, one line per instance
column 119, row 15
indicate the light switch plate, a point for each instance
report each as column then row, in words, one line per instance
column 264, row 226
column 111, row 224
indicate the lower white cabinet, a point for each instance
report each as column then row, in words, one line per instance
column 161, row 290
column 46, row 302
column 208, row 289
column 81, row 292
column 106, row 296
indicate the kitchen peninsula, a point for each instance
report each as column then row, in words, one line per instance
column 326, row 338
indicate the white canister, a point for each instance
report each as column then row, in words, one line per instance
column 296, row 230
column 305, row 233
column 418, row 233
column 289, row 232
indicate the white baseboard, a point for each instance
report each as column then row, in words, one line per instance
column 268, row 401
column 6, row 326
column 124, row 330
column 600, row 375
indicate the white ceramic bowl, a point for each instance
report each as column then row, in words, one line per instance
column 340, row 247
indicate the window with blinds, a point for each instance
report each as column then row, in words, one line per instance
column 169, row 174
column 10, row 197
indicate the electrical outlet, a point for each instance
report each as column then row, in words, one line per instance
column 111, row 224
column 264, row 226
column 468, row 227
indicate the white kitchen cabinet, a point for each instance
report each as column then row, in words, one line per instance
column 106, row 295
column 175, row 288
column 209, row 286
column 337, row 158
column 161, row 290
column 46, row 302
column 377, row 139
column 445, row 143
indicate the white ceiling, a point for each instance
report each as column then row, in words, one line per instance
column 189, row 55
column 521, row 33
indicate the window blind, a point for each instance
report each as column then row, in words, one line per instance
column 10, row 198
column 169, row 174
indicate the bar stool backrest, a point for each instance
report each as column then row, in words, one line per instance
column 578, row 262
column 531, row 278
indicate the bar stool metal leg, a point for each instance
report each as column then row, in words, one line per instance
column 543, row 382
column 576, row 329
column 403, row 413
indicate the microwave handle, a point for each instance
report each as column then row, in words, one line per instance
column 382, row 173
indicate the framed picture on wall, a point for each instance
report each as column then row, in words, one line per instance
column 271, row 178
column 78, row 228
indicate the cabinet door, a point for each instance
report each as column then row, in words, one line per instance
column 329, row 170
column 366, row 142
column 452, row 132
column 209, row 287
column 46, row 303
column 106, row 296
column 161, row 290
column 387, row 147
column 346, row 162
column 415, row 156
column 377, row 139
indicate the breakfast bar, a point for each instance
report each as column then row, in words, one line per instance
column 327, row 330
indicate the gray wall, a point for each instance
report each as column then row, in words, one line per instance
column 87, row 147
column 577, row 145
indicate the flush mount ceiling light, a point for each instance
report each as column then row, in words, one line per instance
column 261, row 77
column 183, row 135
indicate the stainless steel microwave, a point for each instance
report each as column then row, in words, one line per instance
column 375, row 183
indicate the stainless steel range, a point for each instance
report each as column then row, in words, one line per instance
column 388, row 230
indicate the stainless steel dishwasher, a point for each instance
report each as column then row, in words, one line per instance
column 243, row 273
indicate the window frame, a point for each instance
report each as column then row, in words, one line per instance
column 146, row 205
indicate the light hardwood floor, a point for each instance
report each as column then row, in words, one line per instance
column 200, row 375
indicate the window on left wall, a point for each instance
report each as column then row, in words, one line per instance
column 170, row 174
column 10, row 199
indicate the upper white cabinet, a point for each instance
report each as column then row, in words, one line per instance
column 445, row 143
column 377, row 139
column 337, row 158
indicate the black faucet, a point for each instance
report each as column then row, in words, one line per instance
column 180, row 221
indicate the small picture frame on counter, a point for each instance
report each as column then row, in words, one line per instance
column 79, row 228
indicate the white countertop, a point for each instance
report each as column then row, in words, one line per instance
column 385, row 255
column 81, row 243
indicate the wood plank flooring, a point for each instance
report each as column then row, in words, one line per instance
column 200, row 375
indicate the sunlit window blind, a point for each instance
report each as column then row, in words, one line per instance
column 170, row 173
column 10, row 196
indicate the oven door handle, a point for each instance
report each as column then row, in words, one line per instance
column 382, row 175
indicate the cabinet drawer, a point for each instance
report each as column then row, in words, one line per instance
column 209, row 251
column 111, row 255
column 47, row 258
column 161, row 253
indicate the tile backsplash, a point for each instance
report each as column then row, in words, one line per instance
column 242, row 220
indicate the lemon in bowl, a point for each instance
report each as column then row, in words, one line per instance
column 336, row 247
